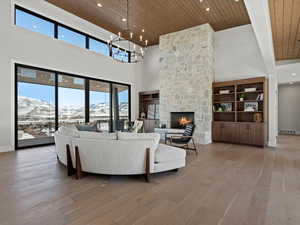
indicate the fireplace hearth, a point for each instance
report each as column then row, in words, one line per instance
column 179, row 120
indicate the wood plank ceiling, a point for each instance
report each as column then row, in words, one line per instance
column 157, row 17
column 285, row 17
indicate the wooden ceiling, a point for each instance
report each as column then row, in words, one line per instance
column 158, row 17
column 285, row 17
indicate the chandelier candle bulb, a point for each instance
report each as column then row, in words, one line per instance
column 131, row 35
column 141, row 37
column 146, row 42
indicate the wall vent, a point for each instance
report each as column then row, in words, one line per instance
column 287, row 132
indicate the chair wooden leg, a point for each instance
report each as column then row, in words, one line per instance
column 147, row 172
column 78, row 164
column 70, row 167
column 195, row 147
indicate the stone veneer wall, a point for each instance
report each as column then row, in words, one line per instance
column 186, row 76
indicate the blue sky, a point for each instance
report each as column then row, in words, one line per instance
column 67, row 96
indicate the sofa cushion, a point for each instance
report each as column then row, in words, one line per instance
column 166, row 153
column 68, row 131
column 99, row 136
column 140, row 136
column 87, row 127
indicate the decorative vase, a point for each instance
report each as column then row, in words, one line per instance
column 257, row 117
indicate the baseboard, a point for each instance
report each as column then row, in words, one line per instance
column 272, row 143
column 8, row 148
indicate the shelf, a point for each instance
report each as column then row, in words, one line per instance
column 249, row 112
column 225, row 112
column 220, row 102
column 232, row 93
column 149, row 99
column 249, row 92
column 250, row 101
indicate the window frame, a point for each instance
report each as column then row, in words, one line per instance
column 57, row 24
column 87, row 97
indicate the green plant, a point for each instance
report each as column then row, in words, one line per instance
column 243, row 95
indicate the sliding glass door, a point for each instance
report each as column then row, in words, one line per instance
column 71, row 100
column 47, row 100
column 35, row 107
column 100, row 103
column 120, row 101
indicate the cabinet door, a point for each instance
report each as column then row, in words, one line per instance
column 228, row 132
column 216, row 133
column 224, row 132
column 257, row 134
column 244, row 133
column 149, row 126
column 251, row 133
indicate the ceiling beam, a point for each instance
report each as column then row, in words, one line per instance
column 259, row 13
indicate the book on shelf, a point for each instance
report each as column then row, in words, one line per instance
column 260, row 97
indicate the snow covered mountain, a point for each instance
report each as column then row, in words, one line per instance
column 35, row 109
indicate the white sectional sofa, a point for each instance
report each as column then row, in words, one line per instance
column 118, row 153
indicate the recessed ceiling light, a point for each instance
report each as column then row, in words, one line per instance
column 124, row 19
column 236, row 0
column 201, row 1
column 143, row 30
column 294, row 74
column 207, row 9
column 99, row 5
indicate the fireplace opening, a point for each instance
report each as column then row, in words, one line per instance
column 179, row 120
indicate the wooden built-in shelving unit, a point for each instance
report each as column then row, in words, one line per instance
column 149, row 99
column 232, row 122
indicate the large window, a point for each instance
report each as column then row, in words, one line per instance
column 71, row 100
column 120, row 54
column 98, row 46
column 46, row 100
column 36, row 107
column 71, row 37
column 38, row 23
column 100, row 103
column 120, row 100
column 34, row 23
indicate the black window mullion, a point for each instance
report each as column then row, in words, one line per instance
column 87, row 100
column 129, row 103
column 87, row 42
column 55, row 31
column 56, row 101
column 111, row 107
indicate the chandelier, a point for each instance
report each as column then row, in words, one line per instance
column 115, row 44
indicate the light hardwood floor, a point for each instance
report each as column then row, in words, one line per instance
column 224, row 185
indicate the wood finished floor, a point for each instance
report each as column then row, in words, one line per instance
column 224, row 185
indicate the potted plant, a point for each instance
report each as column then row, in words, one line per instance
column 242, row 97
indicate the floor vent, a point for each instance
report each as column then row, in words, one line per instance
column 287, row 132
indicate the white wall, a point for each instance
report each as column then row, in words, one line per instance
column 289, row 107
column 22, row 46
column 237, row 55
column 150, row 69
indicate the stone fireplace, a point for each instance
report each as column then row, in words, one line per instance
column 180, row 119
column 186, row 76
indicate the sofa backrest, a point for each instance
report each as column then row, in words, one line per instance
column 61, row 141
column 115, row 156
column 140, row 136
column 98, row 136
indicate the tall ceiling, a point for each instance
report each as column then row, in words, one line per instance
column 285, row 17
column 157, row 17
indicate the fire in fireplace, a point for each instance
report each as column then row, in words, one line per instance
column 180, row 119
